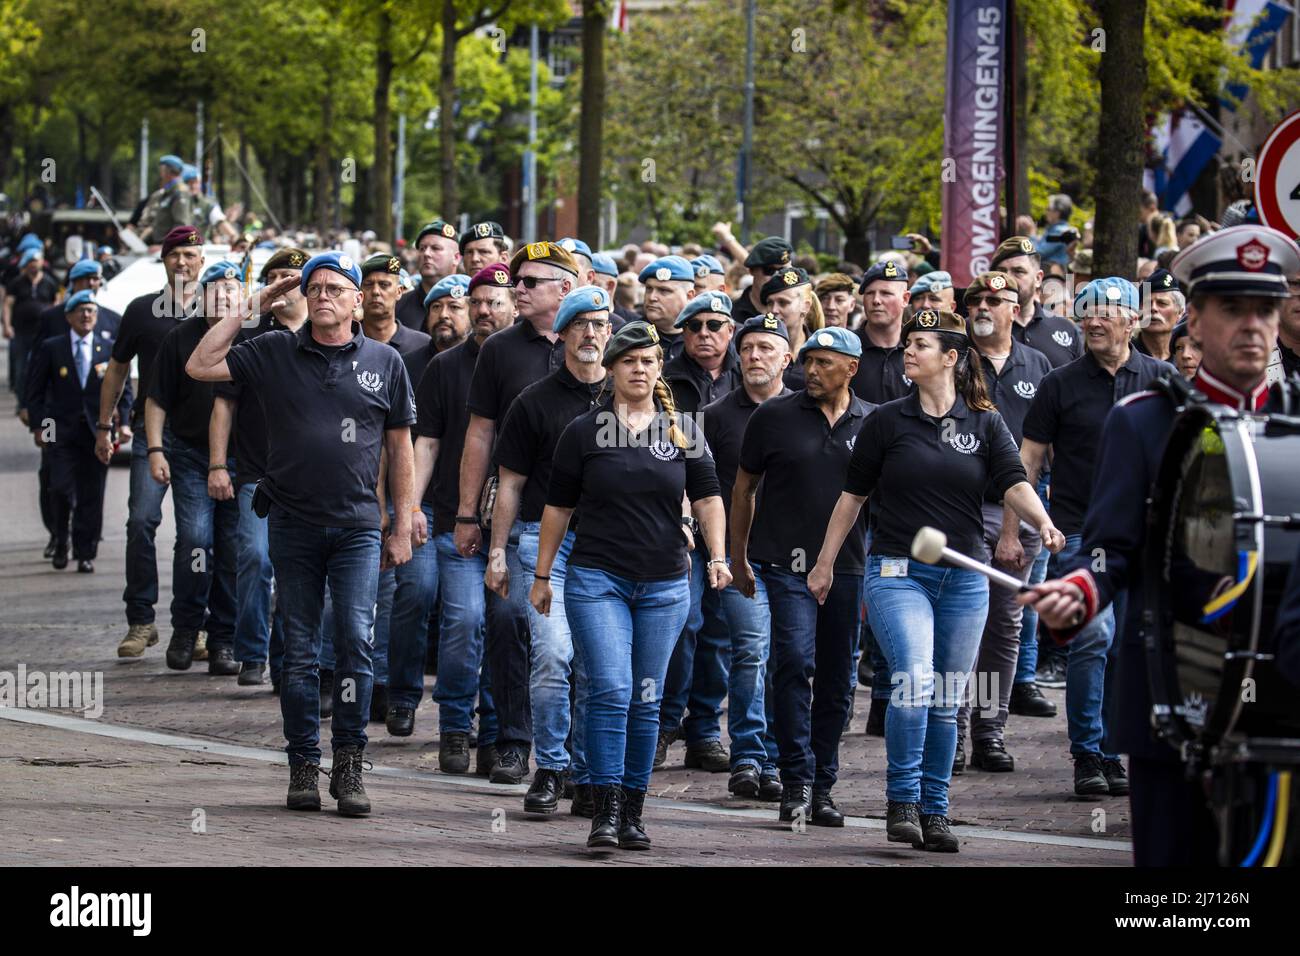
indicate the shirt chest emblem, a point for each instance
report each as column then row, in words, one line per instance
column 851, row 442
column 664, row 450
column 370, row 381
column 1063, row 339
column 1026, row 389
column 966, row 444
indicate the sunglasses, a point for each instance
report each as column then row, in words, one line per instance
column 990, row 300
column 695, row 325
column 530, row 282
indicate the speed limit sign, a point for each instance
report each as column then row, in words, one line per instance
column 1277, row 178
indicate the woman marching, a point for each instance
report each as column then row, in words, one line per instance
column 631, row 464
column 925, row 460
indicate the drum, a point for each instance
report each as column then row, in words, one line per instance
column 1220, row 529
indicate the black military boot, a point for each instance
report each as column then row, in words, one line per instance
column 1028, row 701
column 582, row 805
column 453, row 752
column 608, row 816
column 180, row 649
column 903, row 822
column 796, row 801
column 631, row 834
column 304, row 790
column 544, row 794
column 935, row 835
column 345, row 783
column 221, row 661
column 991, row 755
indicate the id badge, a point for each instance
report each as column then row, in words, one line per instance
column 893, row 567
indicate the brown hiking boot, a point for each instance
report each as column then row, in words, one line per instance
column 201, row 647
column 138, row 637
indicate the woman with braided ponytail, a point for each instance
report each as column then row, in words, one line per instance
column 628, row 468
column 927, row 459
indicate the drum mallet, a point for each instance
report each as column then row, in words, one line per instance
column 931, row 544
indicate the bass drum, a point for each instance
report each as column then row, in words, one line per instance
column 1224, row 508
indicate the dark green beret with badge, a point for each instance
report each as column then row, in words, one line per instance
column 1013, row 247
column 438, row 227
column 634, row 335
column 772, row 251
column 481, row 230
column 383, row 262
column 787, row 278
column 289, row 258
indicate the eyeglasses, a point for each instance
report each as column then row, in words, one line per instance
column 593, row 325
column 327, row 291
column 530, row 282
column 990, row 300
column 695, row 325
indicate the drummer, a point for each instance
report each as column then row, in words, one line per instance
column 1236, row 285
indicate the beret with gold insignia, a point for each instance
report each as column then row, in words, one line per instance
column 547, row 252
column 494, row 274
column 481, row 230
column 768, row 323
column 835, row 282
column 382, row 262
column 1011, row 248
column 933, row 320
column 180, row 236
column 993, row 282
column 634, row 335
column 290, row 258
column 787, row 278
column 772, row 251
column 886, row 271
column 438, row 227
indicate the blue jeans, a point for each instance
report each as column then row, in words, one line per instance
column 1027, row 662
column 460, row 644
column 306, row 557
column 697, row 671
column 382, row 628
column 553, row 657
column 748, row 623
column 414, row 592
column 207, row 541
column 625, row 631
column 1085, row 673
column 144, row 514
column 254, row 579
column 929, row 625
column 812, row 656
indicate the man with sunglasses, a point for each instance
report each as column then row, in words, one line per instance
column 696, row 682
column 1012, row 374
column 438, row 247
column 669, row 284
column 510, row 361
column 340, row 398
column 768, row 257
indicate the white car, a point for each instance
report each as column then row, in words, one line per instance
column 145, row 274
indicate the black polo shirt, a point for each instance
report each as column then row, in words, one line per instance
column 54, row 321
column 140, row 335
column 743, row 308
column 248, row 441
column 794, row 377
column 879, row 377
column 802, row 461
column 1068, row 413
column 509, row 362
column 188, row 403
column 30, row 300
column 440, row 413
column 634, row 484
column 410, row 309
column 332, row 407
column 921, row 470
column 532, row 427
column 1013, row 389
column 1057, row 338
column 413, row 346
column 724, row 424
column 693, row 387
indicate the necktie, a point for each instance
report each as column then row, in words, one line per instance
column 83, row 362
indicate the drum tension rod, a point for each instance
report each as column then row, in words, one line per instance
column 1279, row 521
column 1246, row 656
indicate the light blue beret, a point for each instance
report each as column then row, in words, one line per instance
column 79, row 298
column 935, row 281
column 225, row 269
column 604, row 264
column 585, row 298
column 1109, row 290
column 455, row 285
column 335, row 262
column 707, row 265
column 575, row 245
column 668, row 268
column 83, row 268
column 175, row 162
column 716, row 304
column 833, row 339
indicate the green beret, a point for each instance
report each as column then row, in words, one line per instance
column 1011, row 248
column 289, row 258
column 383, row 262
column 634, row 335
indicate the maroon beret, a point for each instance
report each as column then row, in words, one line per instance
column 181, row 236
column 495, row 274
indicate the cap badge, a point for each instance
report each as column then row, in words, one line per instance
column 1113, row 294
column 483, row 229
column 1026, row 246
column 1253, row 255
column 456, row 291
column 296, row 259
column 701, row 271
column 654, row 334
column 825, row 339
column 394, row 264
column 770, row 321
column 501, row 277
column 663, row 274
column 229, row 273
column 891, row 270
column 194, row 239
column 345, row 262
column 567, row 245
column 790, row 278
column 997, row 283
column 716, row 305
column 449, row 230
column 927, row 319
column 538, row 250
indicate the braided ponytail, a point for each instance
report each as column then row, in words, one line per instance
column 665, row 396
column 969, row 372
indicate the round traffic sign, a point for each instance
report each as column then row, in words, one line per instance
column 1277, row 177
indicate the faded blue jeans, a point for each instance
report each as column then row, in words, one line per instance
column 625, row 631
column 747, row 622
column 254, row 578
column 697, row 672
column 1085, row 673
column 929, row 625
column 306, row 557
column 207, row 543
column 144, row 514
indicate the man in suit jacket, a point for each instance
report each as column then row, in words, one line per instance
column 62, row 400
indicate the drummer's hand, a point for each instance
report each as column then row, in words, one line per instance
column 1053, row 540
column 1010, row 551
column 1059, row 604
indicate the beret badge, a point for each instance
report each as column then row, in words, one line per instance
column 927, row 319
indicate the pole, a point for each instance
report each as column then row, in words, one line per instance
column 198, row 143
column 747, row 150
column 530, row 157
column 399, row 183
column 144, row 157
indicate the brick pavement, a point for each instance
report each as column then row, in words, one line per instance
column 60, row 620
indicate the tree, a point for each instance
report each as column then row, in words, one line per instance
column 595, row 14
column 1123, row 79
